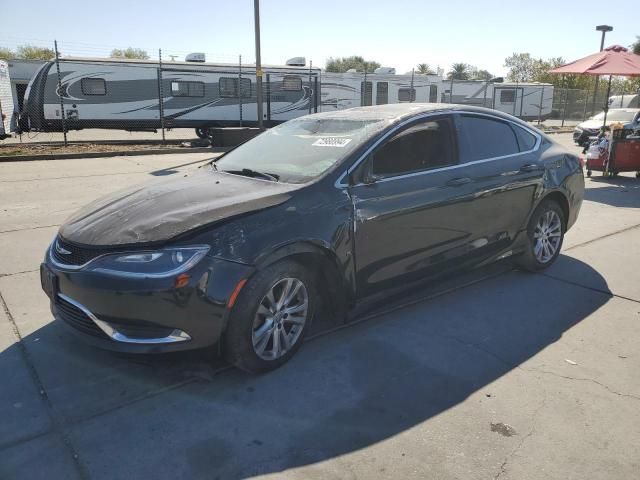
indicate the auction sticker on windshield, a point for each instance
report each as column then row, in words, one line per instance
column 339, row 142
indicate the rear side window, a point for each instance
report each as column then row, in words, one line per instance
column 228, row 87
column 483, row 137
column 93, row 86
column 526, row 140
column 421, row 147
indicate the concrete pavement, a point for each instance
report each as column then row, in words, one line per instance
column 497, row 374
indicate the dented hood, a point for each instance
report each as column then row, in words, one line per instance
column 160, row 210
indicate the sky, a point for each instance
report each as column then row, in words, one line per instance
column 397, row 34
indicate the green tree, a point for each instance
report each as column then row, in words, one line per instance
column 27, row 52
column 341, row 65
column 129, row 52
column 636, row 46
column 482, row 75
column 425, row 69
column 6, row 53
column 459, row 71
column 521, row 67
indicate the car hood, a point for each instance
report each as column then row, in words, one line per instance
column 596, row 124
column 160, row 210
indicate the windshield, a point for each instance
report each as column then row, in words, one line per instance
column 617, row 115
column 301, row 149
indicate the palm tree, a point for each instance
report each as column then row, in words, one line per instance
column 424, row 69
column 459, row 71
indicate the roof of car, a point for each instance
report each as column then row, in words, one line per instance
column 398, row 111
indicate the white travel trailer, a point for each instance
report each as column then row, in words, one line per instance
column 624, row 101
column 528, row 101
column 347, row 90
column 7, row 117
column 139, row 95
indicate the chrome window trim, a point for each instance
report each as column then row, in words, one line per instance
column 340, row 181
column 175, row 336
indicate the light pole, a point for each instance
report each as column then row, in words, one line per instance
column 604, row 29
column 256, row 19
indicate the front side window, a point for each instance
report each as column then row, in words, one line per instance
column 93, row 86
column 483, row 137
column 423, row 146
column 407, row 95
column 187, row 89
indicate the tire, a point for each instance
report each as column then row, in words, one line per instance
column 536, row 258
column 203, row 132
column 251, row 320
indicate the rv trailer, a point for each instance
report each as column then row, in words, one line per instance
column 528, row 101
column 346, row 90
column 7, row 117
column 141, row 95
column 630, row 100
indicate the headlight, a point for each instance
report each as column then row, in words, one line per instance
column 156, row 263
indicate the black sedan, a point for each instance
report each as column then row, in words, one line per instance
column 332, row 209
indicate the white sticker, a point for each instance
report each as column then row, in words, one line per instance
column 339, row 142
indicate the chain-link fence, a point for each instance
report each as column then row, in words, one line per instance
column 83, row 93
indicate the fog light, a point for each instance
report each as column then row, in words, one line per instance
column 182, row 280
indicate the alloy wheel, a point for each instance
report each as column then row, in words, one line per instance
column 547, row 236
column 280, row 319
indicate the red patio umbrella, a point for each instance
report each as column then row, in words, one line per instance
column 614, row 60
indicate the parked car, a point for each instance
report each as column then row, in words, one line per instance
column 591, row 127
column 330, row 209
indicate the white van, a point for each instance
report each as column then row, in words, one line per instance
column 7, row 120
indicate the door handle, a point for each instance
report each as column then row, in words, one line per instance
column 529, row 167
column 457, row 182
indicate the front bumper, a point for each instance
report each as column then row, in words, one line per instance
column 144, row 315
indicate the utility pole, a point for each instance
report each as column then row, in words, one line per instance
column 604, row 29
column 256, row 19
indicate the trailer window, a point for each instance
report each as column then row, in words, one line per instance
column 93, row 86
column 228, row 87
column 382, row 93
column 366, row 93
column 507, row 96
column 187, row 89
column 291, row 83
column 407, row 95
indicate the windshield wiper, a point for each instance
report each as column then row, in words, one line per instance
column 247, row 172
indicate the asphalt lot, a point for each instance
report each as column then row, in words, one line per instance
column 493, row 374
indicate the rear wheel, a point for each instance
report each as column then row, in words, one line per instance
column 545, row 234
column 271, row 317
column 203, row 132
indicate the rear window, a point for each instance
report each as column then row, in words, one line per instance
column 483, row 137
column 526, row 140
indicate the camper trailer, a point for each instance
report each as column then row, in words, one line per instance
column 137, row 94
column 347, row 90
column 7, row 117
column 528, row 101
column 624, row 101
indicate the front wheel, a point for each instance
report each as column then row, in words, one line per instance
column 545, row 234
column 271, row 317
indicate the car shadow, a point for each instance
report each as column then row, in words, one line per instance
column 621, row 191
column 408, row 362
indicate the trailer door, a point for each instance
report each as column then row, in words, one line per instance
column 508, row 100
